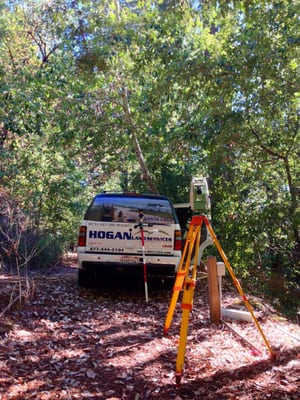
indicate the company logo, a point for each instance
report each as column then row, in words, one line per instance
column 125, row 236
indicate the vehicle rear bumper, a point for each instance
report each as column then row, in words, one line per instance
column 156, row 265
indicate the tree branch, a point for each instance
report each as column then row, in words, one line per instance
column 264, row 147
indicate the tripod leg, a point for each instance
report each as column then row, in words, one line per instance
column 182, row 274
column 180, row 277
column 187, row 305
column 237, row 284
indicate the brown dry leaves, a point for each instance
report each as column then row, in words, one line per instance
column 107, row 343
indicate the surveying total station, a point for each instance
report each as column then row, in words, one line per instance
column 199, row 197
column 185, row 281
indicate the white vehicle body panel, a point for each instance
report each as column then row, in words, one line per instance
column 113, row 234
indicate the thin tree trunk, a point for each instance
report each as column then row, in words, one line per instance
column 293, row 206
column 138, row 150
column 292, row 188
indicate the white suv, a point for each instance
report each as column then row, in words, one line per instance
column 110, row 236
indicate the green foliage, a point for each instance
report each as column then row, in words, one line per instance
column 260, row 151
column 145, row 95
column 39, row 151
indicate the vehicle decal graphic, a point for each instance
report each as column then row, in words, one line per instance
column 126, row 236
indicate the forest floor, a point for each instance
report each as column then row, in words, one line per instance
column 108, row 343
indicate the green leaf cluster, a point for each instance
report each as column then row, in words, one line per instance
column 142, row 95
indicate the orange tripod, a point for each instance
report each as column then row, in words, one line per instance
column 186, row 280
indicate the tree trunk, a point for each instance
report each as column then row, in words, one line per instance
column 138, row 151
column 293, row 207
column 292, row 188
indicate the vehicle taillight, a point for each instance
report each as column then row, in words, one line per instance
column 178, row 240
column 82, row 236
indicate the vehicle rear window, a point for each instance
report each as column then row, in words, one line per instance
column 126, row 209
